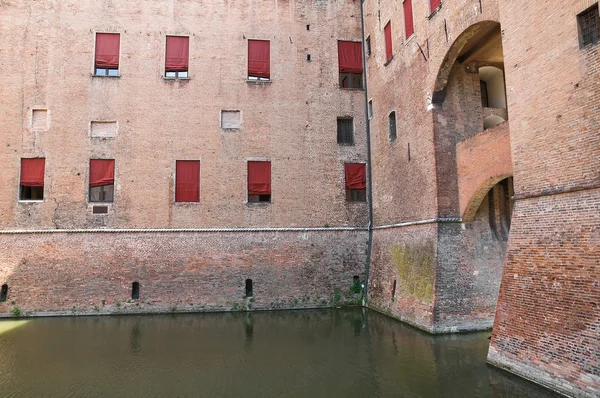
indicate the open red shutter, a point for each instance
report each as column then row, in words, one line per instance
column 388, row 40
column 350, row 57
column 356, row 177
column 259, row 178
column 409, row 28
column 102, row 172
column 259, row 58
column 32, row 172
column 187, row 184
column 107, row 50
column 435, row 4
column 178, row 52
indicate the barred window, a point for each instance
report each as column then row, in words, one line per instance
column 589, row 26
column 345, row 131
column 392, row 132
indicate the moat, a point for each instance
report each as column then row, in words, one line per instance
column 329, row 353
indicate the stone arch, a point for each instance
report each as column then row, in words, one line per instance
column 478, row 196
column 480, row 32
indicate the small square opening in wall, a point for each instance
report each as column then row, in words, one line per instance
column 100, row 210
column 231, row 119
column 103, row 129
column 589, row 26
column 39, row 119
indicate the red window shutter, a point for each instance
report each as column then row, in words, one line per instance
column 350, row 57
column 32, row 172
column 259, row 58
column 187, row 181
column 107, row 50
column 435, row 4
column 178, row 52
column 409, row 28
column 356, row 176
column 388, row 40
column 102, row 172
column 259, row 178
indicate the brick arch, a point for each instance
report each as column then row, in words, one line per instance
column 441, row 81
column 477, row 196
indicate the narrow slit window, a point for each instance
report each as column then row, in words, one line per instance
column 368, row 47
column 187, row 181
column 135, row 291
column 370, row 109
column 409, row 27
column 345, row 131
column 259, row 60
column 259, row 182
column 392, row 123
column 32, row 179
column 102, row 180
column 394, row 289
column 356, row 182
column 350, row 64
column 387, row 30
column 177, row 57
column 4, row 292
column 108, row 46
column 249, row 292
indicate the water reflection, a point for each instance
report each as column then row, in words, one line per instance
column 337, row 353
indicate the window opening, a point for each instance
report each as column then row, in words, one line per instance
column 387, row 30
column 187, row 181
column 259, row 60
column 370, row 109
column 106, row 61
column 484, row 93
column 345, row 131
column 308, row 57
column 177, row 57
column 307, row 27
column 249, row 288
column 409, row 28
column 31, row 185
column 259, row 182
column 356, row 182
column 434, row 4
column 102, row 180
column 4, row 292
column 589, row 26
column 368, row 47
column 350, row 64
column 135, row 291
column 392, row 123
column 394, row 289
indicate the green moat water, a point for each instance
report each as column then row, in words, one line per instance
column 321, row 353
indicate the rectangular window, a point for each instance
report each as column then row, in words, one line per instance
column 356, row 182
column 434, row 4
column 350, row 64
column 187, row 181
column 259, row 182
column 392, row 132
column 32, row 179
column 409, row 27
column 387, row 30
column 368, row 47
column 108, row 46
column 370, row 110
column 589, row 26
column 259, row 60
column 345, row 131
column 177, row 57
column 102, row 180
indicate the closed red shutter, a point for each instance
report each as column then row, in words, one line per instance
column 259, row 58
column 32, row 172
column 178, row 52
column 408, row 18
column 259, row 178
column 388, row 40
column 102, row 172
column 356, row 176
column 187, row 181
column 107, row 50
column 435, row 4
column 350, row 57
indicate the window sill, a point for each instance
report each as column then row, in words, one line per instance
column 259, row 203
column 356, row 201
column 186, row 203
column 30, row 201
column 388, row 61
column 258, row 81
column 409, row 39
column 111, row 77
column 176, row 78
column 352, row 88
column 435, row 11
column 345, row 144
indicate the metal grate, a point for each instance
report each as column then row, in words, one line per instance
column 589, row 23
column 345, row 131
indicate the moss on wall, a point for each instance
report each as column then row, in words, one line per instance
column 416, row 269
